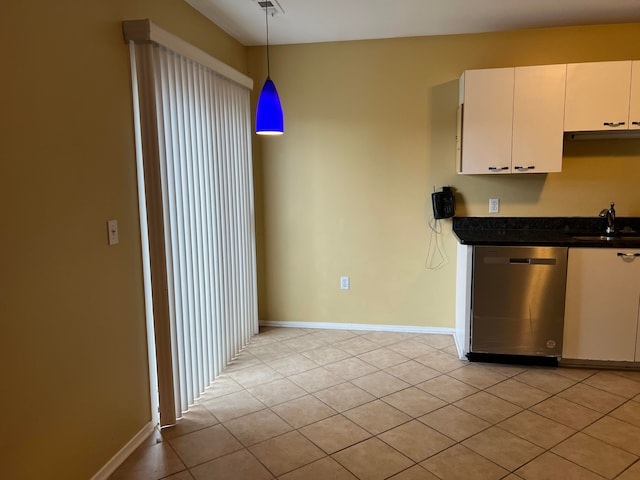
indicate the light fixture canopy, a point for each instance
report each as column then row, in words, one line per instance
column 269, row 114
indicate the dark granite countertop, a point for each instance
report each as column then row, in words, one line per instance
column 546, row 231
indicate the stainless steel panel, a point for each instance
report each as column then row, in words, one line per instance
column 518, row 298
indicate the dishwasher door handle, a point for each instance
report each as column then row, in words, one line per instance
column 533, row 261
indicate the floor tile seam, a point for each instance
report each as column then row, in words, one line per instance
column 176, row 473
column 549, row 395
column 447, row 401
column 404, row 380
column 584, row 432
column 250, row 453
column 508, row 469
column 382, row 369
column 599, row 411
column 291, row 428
column 405, row 469
column 621, row 373
column 248, row 449
column 619, row 407
column 498, row 425
column 330, row 345
column 551, row 450
column 577, row 368
column 404, row 454
column 464, row 446
column 404, row 422
column 351, row 356
column 617, row 370
column 622, row 472
column 575, row 403
column 607, row 391
column 513, row 378
column 371, row 435
column 242, row 447
column 547, row 391
column 437, row 369
column 382, row 399
column 287, row 400
column 451, row 438
column 220, row 422
column 366, row 440
column 520, row 409
column 557, row 395
column 571, row 426
column 416, row 462
column 273, row 359
column 475, row 386
column 346, row 467
column 296, row 468
column 175, row 452
column 198, row 429
column 316, row 421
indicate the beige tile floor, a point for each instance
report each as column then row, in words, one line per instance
column 335, row 404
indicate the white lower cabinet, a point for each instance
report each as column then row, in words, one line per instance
column 602, row 305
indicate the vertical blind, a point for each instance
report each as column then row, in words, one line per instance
column 202, row 214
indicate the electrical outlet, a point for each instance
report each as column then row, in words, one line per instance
column 494, row 205
column 344, row 283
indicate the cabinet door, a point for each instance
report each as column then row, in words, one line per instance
column 597, row 96
column 538, row 115
column 601, row 307
column 634, row 102
column 487, row 120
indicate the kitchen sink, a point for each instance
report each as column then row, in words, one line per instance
column 594, row 238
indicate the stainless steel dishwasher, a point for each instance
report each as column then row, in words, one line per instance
column 517, row 304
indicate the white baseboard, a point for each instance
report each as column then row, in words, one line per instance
column 123, row 454
column 360, row 326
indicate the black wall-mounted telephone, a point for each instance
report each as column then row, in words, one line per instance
column 444, row 203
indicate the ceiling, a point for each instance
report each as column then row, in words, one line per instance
column 307, row 21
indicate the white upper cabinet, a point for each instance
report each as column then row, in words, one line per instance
column 512, row 120
column 487, row 118
column 538, row 115
column 598, row 96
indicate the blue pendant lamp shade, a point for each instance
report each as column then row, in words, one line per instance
column 269, row 114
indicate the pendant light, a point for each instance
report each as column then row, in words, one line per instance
column 269, row 114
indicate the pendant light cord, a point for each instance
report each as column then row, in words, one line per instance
column 266, row 18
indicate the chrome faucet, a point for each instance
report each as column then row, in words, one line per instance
column 610, row 215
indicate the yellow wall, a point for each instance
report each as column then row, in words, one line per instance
column 370, row 130
column 73, row 344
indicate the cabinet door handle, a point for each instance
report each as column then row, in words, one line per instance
column 524, row 169
column 498, row 169
column 613, row 124
column 628, row 256
column 635, row 123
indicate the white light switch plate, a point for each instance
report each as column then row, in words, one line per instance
column 112, row 226
column 344, row 283
column 494, row 205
